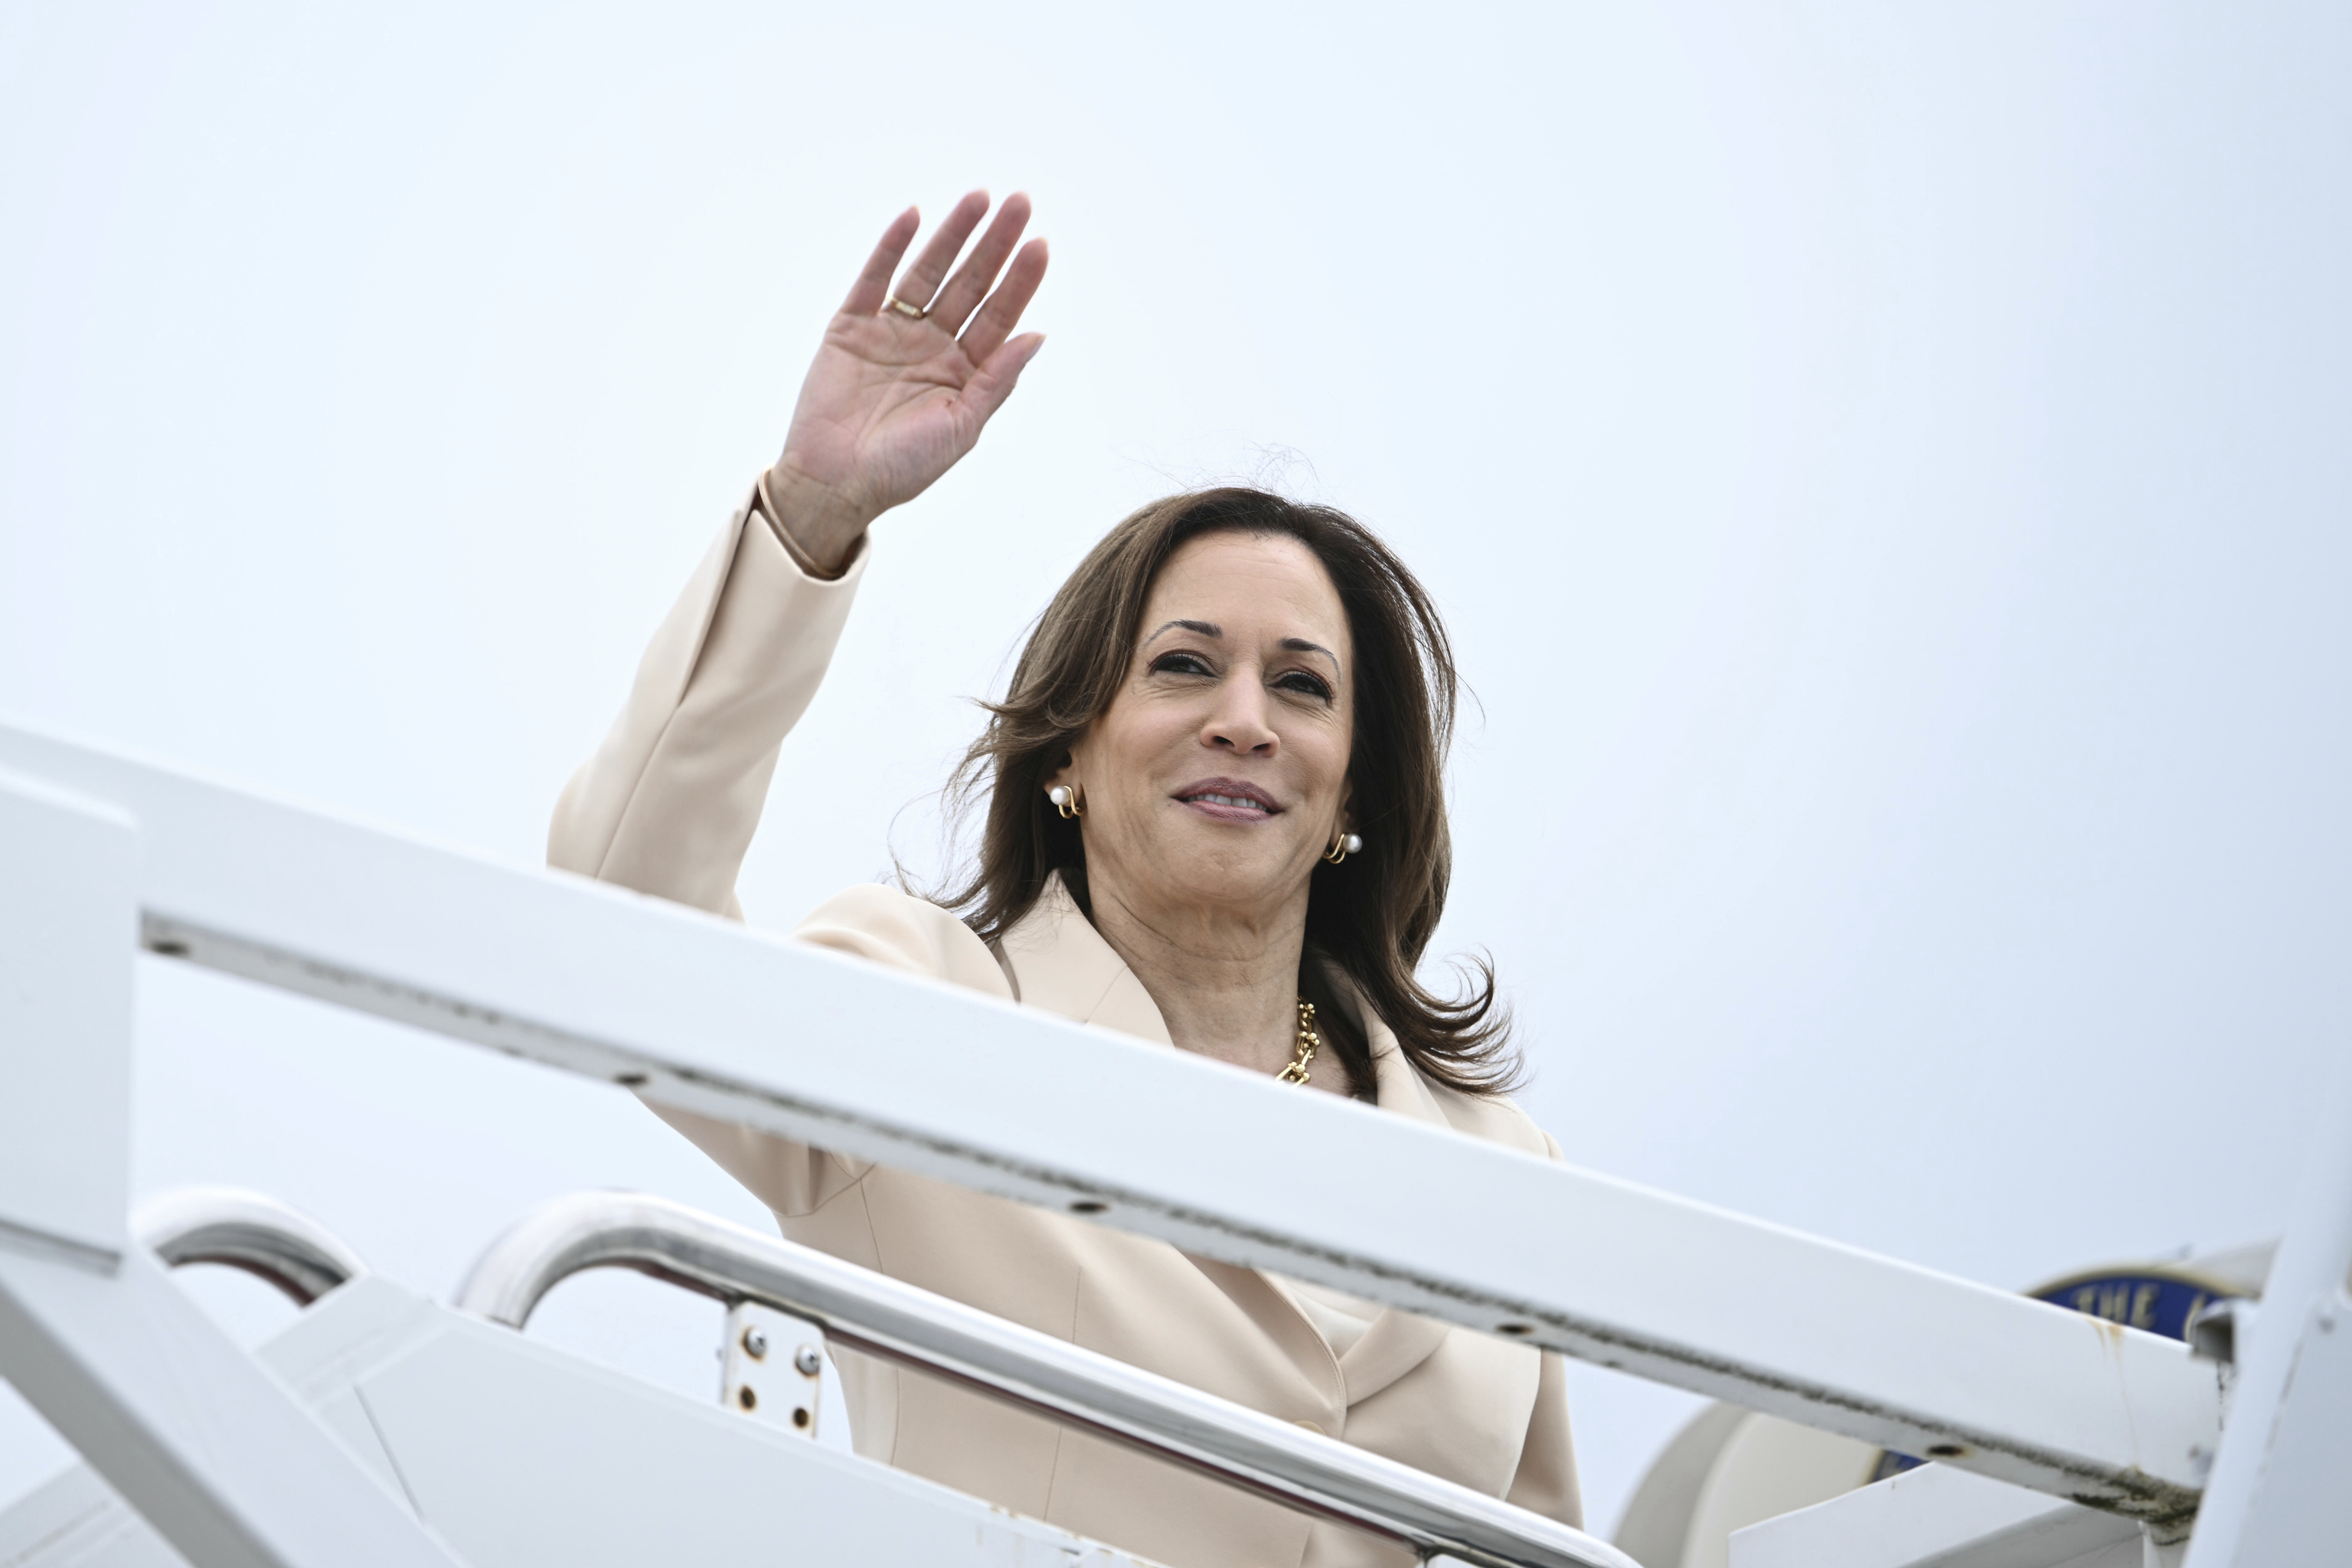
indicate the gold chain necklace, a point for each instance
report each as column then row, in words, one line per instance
column 1308, row 1041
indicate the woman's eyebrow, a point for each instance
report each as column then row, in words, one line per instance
column 1202, row 628
column 1300, row 644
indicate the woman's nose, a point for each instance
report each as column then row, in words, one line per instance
column 1239, row 722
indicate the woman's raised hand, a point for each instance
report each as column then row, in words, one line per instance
column 906, row 377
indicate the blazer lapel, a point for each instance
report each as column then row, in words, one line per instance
column 1061, row 963
column 1395, row 1344
column 1397, row 1341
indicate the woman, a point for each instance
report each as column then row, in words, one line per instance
column 1214, row 823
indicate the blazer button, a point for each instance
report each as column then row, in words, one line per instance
column 1311, row 1427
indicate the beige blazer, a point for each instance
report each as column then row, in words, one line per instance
column 668, row 805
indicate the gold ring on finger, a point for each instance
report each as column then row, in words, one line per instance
column 912, row 313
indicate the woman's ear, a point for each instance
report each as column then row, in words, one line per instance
column 1067, row 771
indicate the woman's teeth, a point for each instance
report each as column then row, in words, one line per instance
column 1232, row 800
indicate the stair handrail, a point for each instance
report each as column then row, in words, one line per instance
column 869, row 1312
column 271, row 1240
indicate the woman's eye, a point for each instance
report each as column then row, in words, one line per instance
column 1300, row 682
column 1180, row 664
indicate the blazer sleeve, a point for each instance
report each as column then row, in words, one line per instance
column 668, row 803
column 881, row 925
column 1546, row 1482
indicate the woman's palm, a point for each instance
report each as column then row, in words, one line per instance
column 883, row 412
column 894, row 400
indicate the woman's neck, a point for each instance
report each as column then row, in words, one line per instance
column 1225, row 982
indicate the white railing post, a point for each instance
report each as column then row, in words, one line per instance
column 68, row 933
column 2281, row 1492
column 188, row 1428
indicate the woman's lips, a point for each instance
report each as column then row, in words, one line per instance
column 1228, row 800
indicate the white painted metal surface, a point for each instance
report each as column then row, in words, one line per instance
column 1768, row 1469
column 701, row 1013
column 1936, row 1516
column 68, row 918
column 93, row 1332
column 2282, row 1484
column 521, row 1456
column 181, row 1421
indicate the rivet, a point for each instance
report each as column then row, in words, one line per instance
column 169, row 949
column 1947, row 1450
column 801, row 1417
column 1515, row 1329
column 809, row 1363
column 755, row 1344
column 1087, row 1206
column 746, row 1398
column 629, row 1079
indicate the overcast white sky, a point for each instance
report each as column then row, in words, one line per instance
column 1885, row 466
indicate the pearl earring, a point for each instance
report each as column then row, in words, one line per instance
column 1342, row 846
column 1069, row 802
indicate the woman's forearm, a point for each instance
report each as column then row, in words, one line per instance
column 668, row 803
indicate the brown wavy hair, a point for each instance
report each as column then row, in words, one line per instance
column 1369, row 917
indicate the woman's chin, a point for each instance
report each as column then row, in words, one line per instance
column 1185, row 877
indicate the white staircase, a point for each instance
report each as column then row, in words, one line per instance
column 383, row 1428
